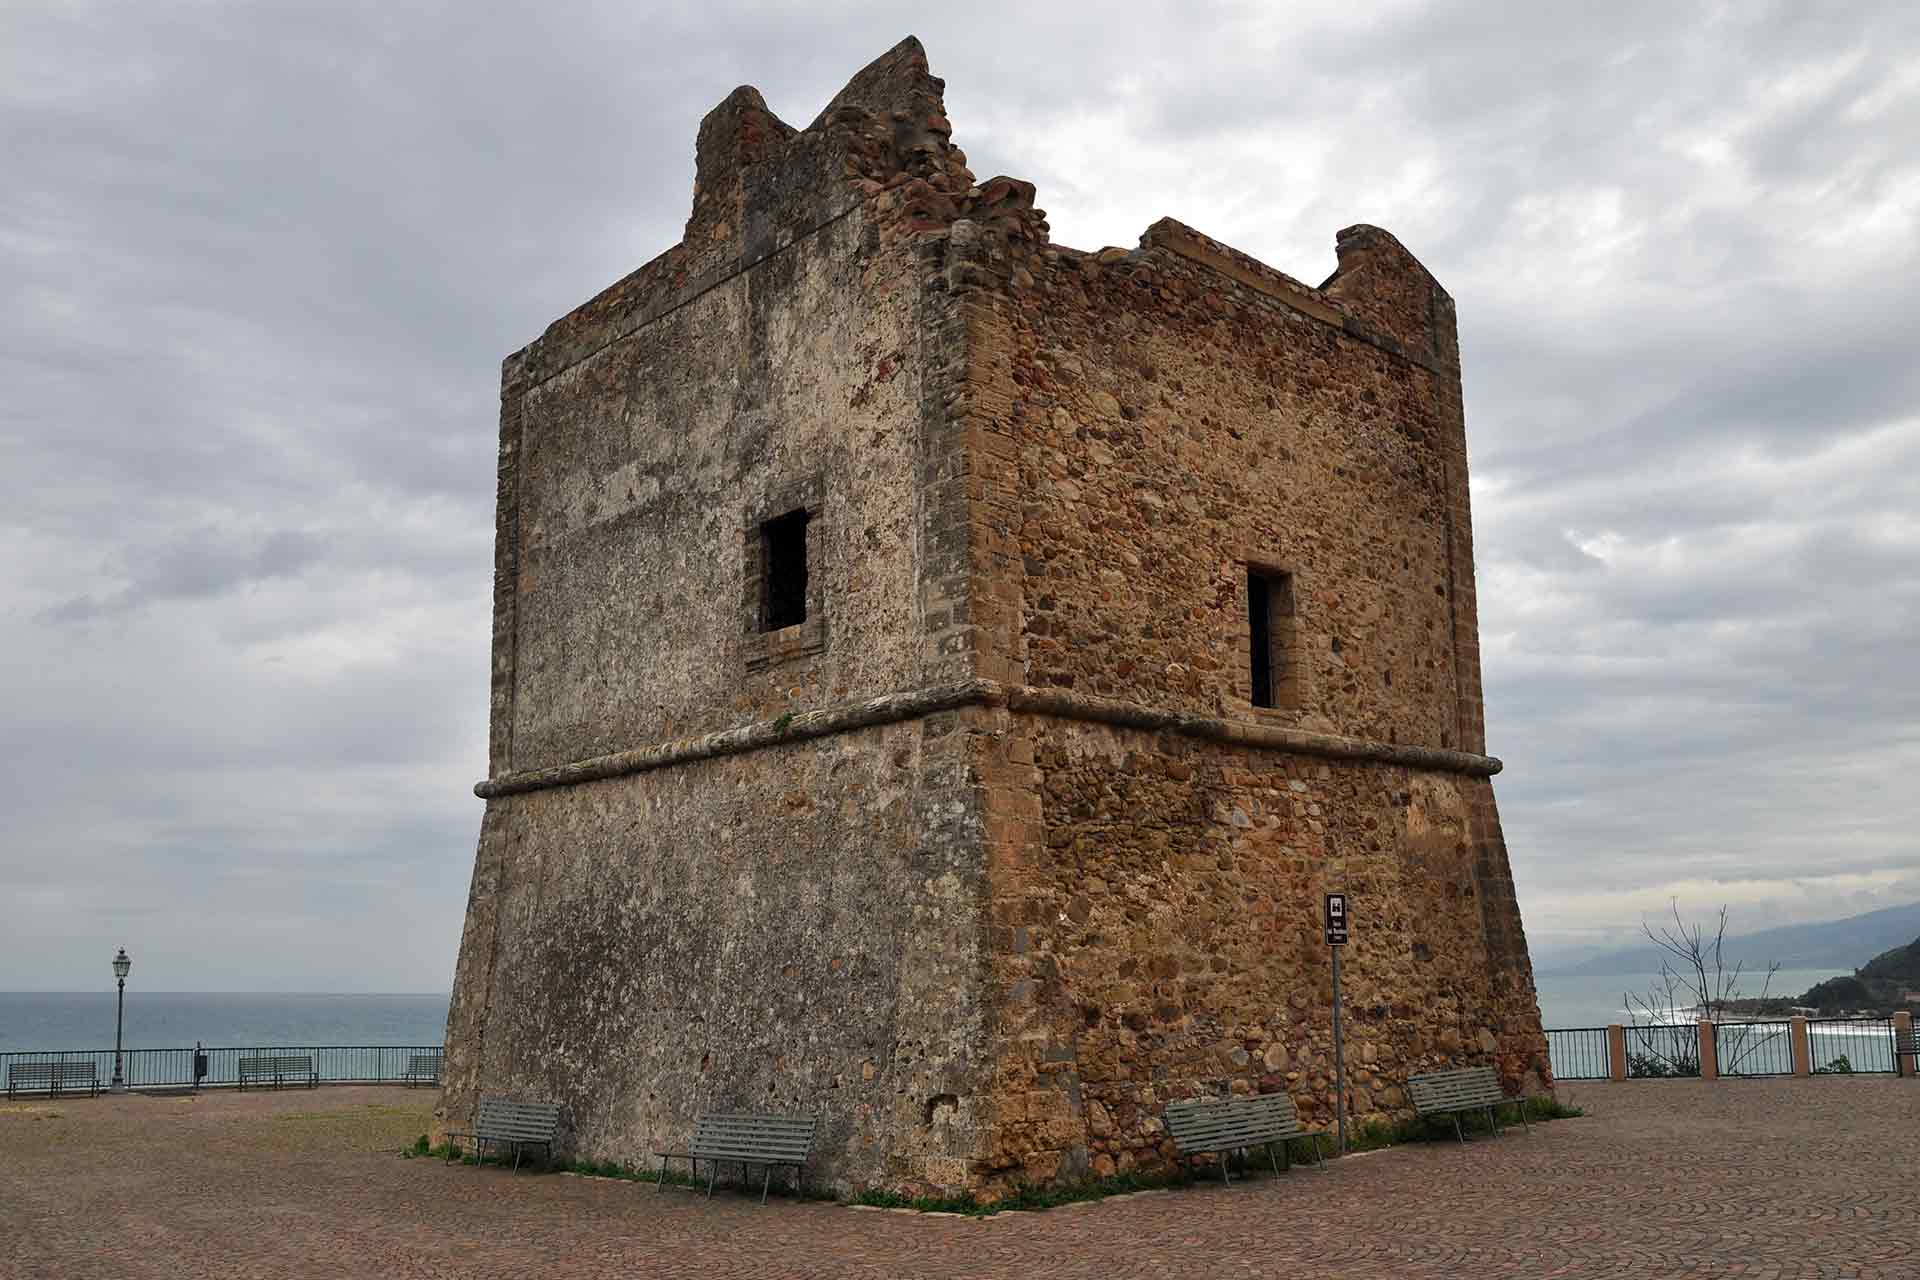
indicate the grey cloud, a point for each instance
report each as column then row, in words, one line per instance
column 258, row 267
column 196, row 565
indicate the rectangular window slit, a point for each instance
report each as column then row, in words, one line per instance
column 1260, row 628
column 1269, row 632
column 783, row 559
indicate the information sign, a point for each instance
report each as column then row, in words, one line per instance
column 1336, row 923
column 1336, row 919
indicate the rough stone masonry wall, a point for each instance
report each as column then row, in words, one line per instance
column 1163, row 418
column 1172, row 428
column 1158, row 937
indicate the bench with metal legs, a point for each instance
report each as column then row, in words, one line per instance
column 745, row 1138
column 515, row 1124
column 1449, row 1093
column 1223, row 1125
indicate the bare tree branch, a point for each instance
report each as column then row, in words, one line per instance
column 1696, row 968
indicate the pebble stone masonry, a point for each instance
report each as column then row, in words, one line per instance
column 991, row 854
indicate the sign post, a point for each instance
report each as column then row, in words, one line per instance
column 1337, row 938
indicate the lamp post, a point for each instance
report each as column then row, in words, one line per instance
column 121, row 967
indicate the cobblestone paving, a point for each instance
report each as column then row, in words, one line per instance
column 1776, row 1178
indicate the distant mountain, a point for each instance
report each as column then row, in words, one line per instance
column 1880, row 983
column 1832, row 944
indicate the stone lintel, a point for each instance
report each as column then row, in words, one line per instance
column 913, row 704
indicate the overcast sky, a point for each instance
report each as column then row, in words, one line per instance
column 259, row 264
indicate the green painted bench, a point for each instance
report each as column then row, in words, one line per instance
column 1216, row 1126
column 423, row 1068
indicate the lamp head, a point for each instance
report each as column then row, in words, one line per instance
column 122, row 965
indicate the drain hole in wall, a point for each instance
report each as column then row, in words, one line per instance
column 940, row 1106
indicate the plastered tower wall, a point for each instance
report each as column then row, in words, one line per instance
column 993, row 856
column 794, row 926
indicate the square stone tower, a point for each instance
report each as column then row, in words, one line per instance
column 936, row 673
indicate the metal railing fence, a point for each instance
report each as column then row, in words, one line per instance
column 1661, row 1050
column 1578, row 1053
column 1847, row 1046
column 156, row 1068
column 1747, row 1049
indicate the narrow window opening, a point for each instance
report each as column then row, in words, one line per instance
column 783, row 552
column 1260, row 635
column 1270, row 635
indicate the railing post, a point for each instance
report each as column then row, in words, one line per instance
column 1802, row 1050
column 1616, row 1051
column 1902, row 1035
column 1709, row 1052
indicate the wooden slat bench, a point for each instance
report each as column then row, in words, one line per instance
column 283, row 1070
column 516, row 1124
column 52, row 1078
column 1465, row 1089
column 1906, row 1044
column 745, row 1138
column 1217, row 1126
column 423, row 1068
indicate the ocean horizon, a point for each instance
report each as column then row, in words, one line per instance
column 77, row 1020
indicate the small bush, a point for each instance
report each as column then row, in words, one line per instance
column 1552, row 1109
column 925, row 1204
column 1649, row 1066
column 1372, row 1135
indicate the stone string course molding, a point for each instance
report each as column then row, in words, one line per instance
column 914, row 704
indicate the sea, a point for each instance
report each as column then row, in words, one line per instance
column 180, row 1019
column 219, row 1019
column 1595, row 1000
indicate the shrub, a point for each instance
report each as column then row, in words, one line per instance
column 1652, row 1066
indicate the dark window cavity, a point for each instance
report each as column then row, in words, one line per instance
column 783, row 556
column 1269, row 634
column 1260, row 633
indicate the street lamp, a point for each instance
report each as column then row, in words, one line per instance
column 122, row 966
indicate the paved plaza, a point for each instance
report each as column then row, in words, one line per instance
column 1768, row 1178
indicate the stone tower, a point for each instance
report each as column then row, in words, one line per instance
column 936, row 673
